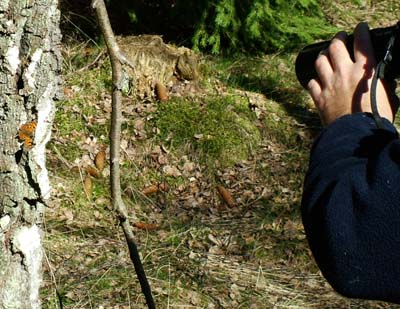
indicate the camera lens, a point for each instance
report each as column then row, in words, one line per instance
column 305, row 68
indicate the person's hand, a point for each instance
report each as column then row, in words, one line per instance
column 343, row 86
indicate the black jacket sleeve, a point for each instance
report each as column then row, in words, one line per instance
column 351, row 207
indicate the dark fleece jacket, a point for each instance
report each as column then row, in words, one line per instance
column 351, row 207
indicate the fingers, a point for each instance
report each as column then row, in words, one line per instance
column 338, row 52
column 363, row 49
column 315, row 89
column 323, row 67
column 333, row 58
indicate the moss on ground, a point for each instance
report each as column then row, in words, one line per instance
column 217, row 131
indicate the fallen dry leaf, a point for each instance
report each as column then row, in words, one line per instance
column 163, row 187
column 171, row 171
column 155, row 188
column 69, row 215
column 88, row 186
column 226, row 196
column 139, row 124
column 150, row 189
column 68, row 92
column 75, row 169
column 92, row 171
column 145, row 226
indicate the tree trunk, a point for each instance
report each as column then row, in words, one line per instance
column 30, row 64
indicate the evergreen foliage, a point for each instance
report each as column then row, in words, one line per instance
column 225, row 25
column 265, row 25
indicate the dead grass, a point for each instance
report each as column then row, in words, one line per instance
column 346, row 14
column 201, row 253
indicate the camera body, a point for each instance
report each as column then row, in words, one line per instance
column 305, row 61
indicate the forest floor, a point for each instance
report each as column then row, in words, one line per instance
column 212, row 179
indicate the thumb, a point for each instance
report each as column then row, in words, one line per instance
column 363, row 48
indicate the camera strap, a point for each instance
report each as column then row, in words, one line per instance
column 380, row 74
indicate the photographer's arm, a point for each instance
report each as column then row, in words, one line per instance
column 351, row 200
column 351, row 207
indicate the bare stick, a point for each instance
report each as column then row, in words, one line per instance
column 118, row 205
column 92, row 63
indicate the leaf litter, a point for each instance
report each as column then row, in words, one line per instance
column 219, row 237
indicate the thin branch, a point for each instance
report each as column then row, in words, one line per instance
column 108, row 33
column 117, row 59
column 88, row 66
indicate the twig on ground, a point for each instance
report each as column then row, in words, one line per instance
column 61, row 157
column 88, row 66
column 117, row 59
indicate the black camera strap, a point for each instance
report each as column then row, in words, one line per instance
column 380, row 74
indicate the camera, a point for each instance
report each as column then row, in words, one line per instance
column 305, row 68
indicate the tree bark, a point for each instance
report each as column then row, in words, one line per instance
column 30, row 64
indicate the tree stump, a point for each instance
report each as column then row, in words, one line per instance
column 156, row 62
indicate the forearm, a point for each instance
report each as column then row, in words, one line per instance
column 351, row 147
column 350, row 207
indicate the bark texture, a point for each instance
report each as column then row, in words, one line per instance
column 30, row 64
